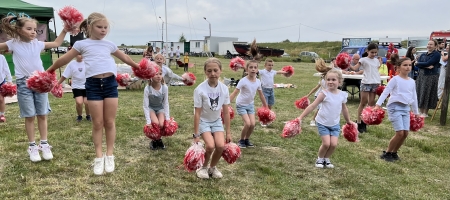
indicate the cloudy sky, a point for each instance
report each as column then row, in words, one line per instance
column 135, row 22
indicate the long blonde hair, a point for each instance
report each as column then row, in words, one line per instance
column 12, row 25
column 87, row 24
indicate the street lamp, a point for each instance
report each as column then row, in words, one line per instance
column 209, row 27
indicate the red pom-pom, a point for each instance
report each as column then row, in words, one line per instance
column 170, row 127
column 302, row 103
column 188, row 78
column 380, row 90
column 416, row 122
column 194, row 157
column 236, row 63
column 289, row 70
column 41, row 82
column 123, row 79
column 146, row 70
column 57, row 91
column 8, row 90
column 371, row 116
column 292, row 128
column 350, row 132
column 71, row 18
column 231, row 152
column 265, row 115
column 152, row 131
column 230, row 110
column 343, row 60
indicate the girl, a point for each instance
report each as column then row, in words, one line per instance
column 27, row 59
column 369, row 83
column 156, row 105
column 322, row 85
column 410, row 53
column 101, row 84
column 247, row 88
column 210, row 97
column 167, row 73
column 5, row 76
column 403, row 95
column 332, row 102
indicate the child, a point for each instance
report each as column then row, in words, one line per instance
column 156, row 105
column 210, row 97
column 186, row 61
column 167, row 73
column 247, row 88
column 27, row 59
column 322, row 86
column 369, row 83
column 101, row 84
column 267, row 75
column 332, row 102
column 5, row 76
column 403, row 95
column 76, row 69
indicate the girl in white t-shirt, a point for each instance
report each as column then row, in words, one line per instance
column 5, row 77
column 245, row 91
column 101, row 84
column 210, row 97
column 370, row 81
column 27, row 59
column 332, row 102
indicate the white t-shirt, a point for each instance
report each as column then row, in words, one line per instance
column 247, row 92
column 370, row 67
column 97, row 56
column 26, row 56
column 77, row 71
column 5, row 73
column 163, row 93
column 211, row 100
column 267, row 78
column 168, row 74
column 331, row 107
column 401, row 90
column 323, row 86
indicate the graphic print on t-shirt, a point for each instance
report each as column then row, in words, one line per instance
column 214, row 100
column 80, row 69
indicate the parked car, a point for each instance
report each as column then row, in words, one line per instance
column 307, row 56
column 60, row 50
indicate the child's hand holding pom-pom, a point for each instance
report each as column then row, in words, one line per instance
column 372, row 116
column 152, row 131
column 146, row 70
column 41, row 82
column 8, row 90
column 170, row 127
column 289, row 71
column 236, row 63
column 265, row 115
column 302, row 103
column 188, row 78
column 194, row 157
column 416, row 122
column 292, row 128
column 123, row 79
column 71, row 18
column 231, row 152
column 57, row 91
column 350, row 132
column 343, row 60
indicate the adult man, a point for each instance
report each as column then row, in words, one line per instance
column 441, row 46
column 348, row 81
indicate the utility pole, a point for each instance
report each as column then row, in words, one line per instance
column 162, row 33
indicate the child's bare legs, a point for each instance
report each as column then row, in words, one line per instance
column 249, row 126
column 86, row 106
column 157, row 118
column 79, row 105
column 42, row 126
column 214, row 146
column 363, row 102
column 96, row 108
column 397, row 141
column 2, row 104
column 371, row 100
column 328, row 146
column 29, row 128
column 110, row 111
column 103, row 116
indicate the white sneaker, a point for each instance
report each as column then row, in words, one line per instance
column 312, row 123
column 99, row 165
column 215, row 173
column 263, row 125
column 203, row 173
column 46, row 151
column 34, row 153
column 328, row 163
column 319, row 163
column 109, row 163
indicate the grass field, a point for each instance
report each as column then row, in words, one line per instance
column 276, row 168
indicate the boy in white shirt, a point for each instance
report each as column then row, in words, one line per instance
column 5, row 76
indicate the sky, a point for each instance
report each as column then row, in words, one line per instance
column 135, row 22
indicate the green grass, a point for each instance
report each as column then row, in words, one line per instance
column 276, row 168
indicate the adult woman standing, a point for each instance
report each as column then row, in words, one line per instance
column 411, row 55
column 427, row 80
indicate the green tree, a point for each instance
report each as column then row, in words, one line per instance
column 286, row 41
column 52, row 35
column 65, row 43
column 182, row 38
column 122, row 45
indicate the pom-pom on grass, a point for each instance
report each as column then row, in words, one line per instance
column 266, row 115
column 302, row 103
column 292, row 128
column 289, row 71
column 194, row 157
column 71, row 18
column 8, row 90
column 170, row 127
column 123, row 79
column 372, row 116
column 231, row 152
column 343, row 60
column 146, row 70
column 380, row 90
column 236, row 63
column 350, row 132
column 152, row 131
column 188, row 78
column 57, row 91
column 416, row 122
column 41, row 82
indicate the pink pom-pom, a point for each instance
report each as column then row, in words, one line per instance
column 170, row 127
column 236, row 63
column 302, row 103
column 230, row 110
column 350, row 132
column 371, row 116
column 265, row 115
column 231, row 152
column 380, row 90
column 343, row 60
column 123, row 79
column 152, row 131
column 41, row 82
column 188, row 78
column 57, row 91
column 194, row 157
column 146, row 70
column 8, row 90
column 292, row 128
column 71, row 18
column 289, row 70
column 416, row 122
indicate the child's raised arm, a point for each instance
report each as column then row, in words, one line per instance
column 125, row 58
column 312, row 106
column 58, row 41
column 66, row 58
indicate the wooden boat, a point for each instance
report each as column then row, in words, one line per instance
column 243, row 49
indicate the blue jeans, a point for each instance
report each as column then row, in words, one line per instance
column 399, row 116
column 329, row 130
column 248, row 109
column 269, row 95
column 101, row 88
column 31, row 103
column 215, row 126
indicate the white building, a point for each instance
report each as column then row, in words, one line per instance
column 212, row 43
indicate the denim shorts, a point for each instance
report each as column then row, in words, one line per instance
column 248, row 109
column 31, row 103
column 101, row 88
column 269, row 95
column 399, row 116
column 368, row 87
column 215, row 126
column 329, row 130
column 157, row 110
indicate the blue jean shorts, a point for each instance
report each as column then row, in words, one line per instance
column 269, row 95
column 98, row 89
column 157, row 110
column 31, row 103
column 215, row 126
column 248, row 109
column 329, row 130
column 399, row 116
column 368, row 87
